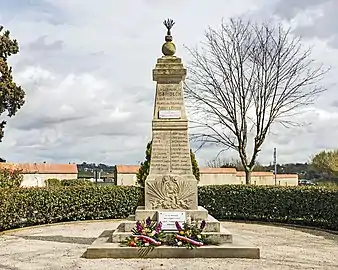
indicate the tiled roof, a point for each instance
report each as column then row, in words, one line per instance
column 218, row 170
column 127, row 168
column 42, row 168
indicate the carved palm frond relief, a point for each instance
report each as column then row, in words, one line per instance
column 186, row 190
column 170, row 192
column 156, row 191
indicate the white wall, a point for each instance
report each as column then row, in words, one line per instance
column 218, row 179
column 126, row 179
column 38, row 180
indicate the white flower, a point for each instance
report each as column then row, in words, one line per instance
column 146, row 244
column 153, row 233
column 179, row 243
column 199, row 236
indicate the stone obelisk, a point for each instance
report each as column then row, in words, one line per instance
column 171, row 187
column 171, row 183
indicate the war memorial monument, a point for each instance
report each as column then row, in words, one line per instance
column 171, row 188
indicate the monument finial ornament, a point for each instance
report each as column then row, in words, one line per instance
column 168, row 23
column 168, row 48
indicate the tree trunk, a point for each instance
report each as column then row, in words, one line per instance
column 248, row 177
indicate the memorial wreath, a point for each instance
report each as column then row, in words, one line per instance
column 148, row 234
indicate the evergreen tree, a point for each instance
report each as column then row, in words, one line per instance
column 144, row 167
column 11, row 95
column 194, row 164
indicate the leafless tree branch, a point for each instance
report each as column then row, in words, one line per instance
column 244, row 78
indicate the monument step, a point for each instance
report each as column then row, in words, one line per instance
column 239, row 248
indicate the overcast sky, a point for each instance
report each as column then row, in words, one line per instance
column 86, row 67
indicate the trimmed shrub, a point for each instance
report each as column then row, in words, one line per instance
column 53, row 182
column 23, row 207
column 76, row 182
column 10, row 178
column 311, row 206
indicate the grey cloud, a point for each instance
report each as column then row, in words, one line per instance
column 289, row 8
column 323, row 27
column 41, row 45
column 39, row 121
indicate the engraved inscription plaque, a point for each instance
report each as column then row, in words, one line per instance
column 169, row 114
column 168, row 220
column 168, row 97
column 180, row 161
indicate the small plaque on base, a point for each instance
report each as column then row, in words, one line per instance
column 168, row 220
column 169, row 114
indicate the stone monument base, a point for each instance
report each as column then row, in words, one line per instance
column 107, row 244
column 104, row 248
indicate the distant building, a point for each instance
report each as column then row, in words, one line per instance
column 125, row 175
column 35, row 175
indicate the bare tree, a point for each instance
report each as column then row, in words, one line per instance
column 221, row 162
column 245, row 78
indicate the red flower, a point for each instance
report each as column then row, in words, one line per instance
column 132, row 244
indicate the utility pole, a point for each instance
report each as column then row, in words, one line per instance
column 275, row 164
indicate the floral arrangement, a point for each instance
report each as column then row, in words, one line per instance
column 190, row 235
column 148, row 234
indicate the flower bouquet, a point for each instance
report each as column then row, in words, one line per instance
column 146, row 235
column 190, row 235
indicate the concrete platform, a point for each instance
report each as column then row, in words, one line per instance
column 103, row 248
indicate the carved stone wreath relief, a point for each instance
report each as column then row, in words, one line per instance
column 170, row 192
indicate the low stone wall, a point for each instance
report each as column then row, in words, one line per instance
column 126, row 176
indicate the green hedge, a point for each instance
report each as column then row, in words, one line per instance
column 313, row 206
column 54, row 182
column 31, row 206
column 76, row 182
column 310, row 206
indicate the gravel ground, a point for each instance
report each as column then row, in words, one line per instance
column 61, row 246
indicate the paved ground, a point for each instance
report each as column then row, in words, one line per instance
column 61, row 246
